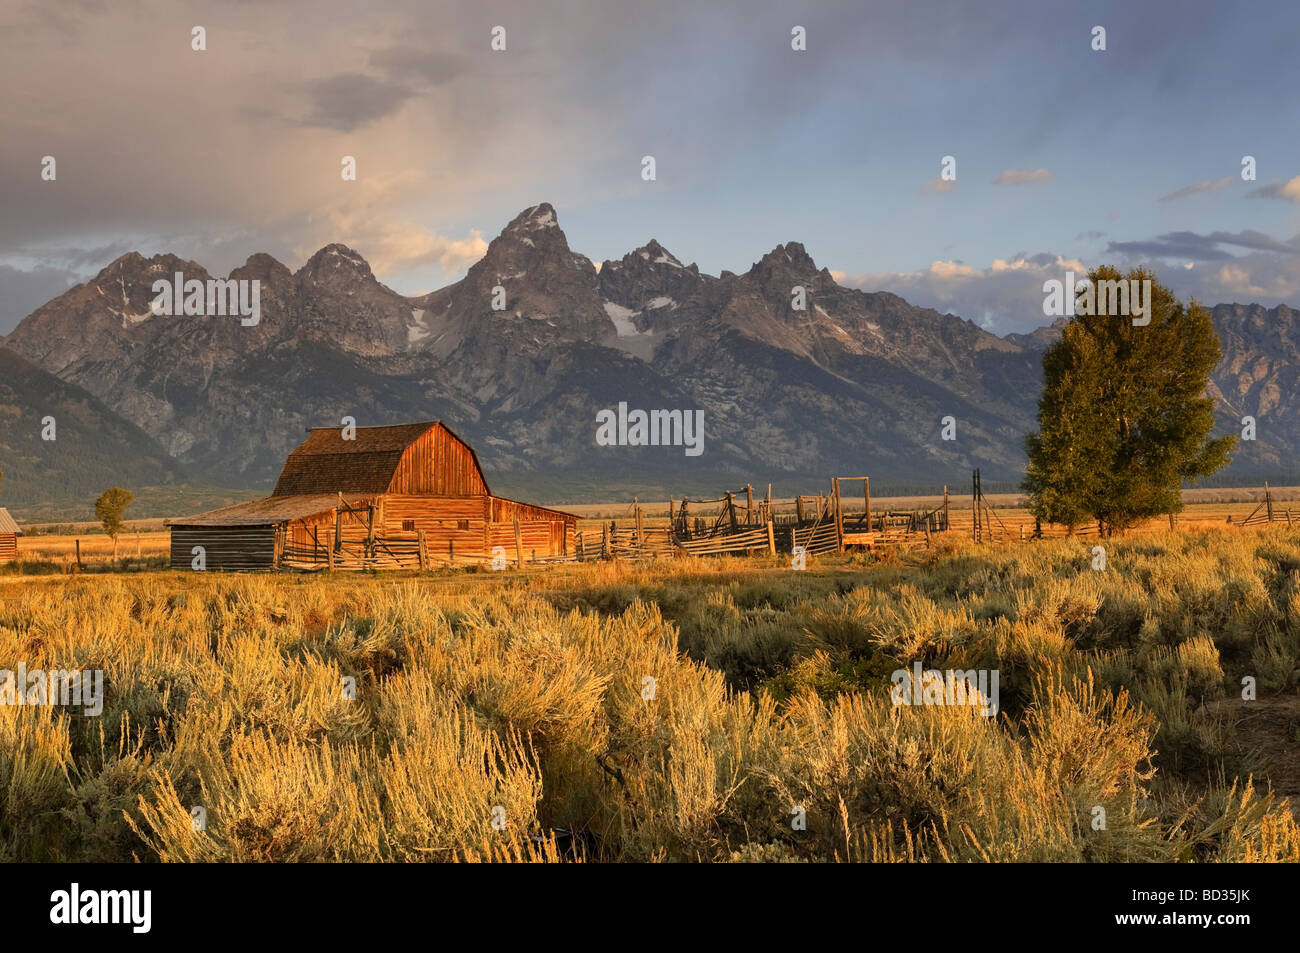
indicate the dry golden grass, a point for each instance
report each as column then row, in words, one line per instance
column 680, row 711
column 94, row 547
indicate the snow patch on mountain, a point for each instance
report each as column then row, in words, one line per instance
column 622, row 318
column 418, row 329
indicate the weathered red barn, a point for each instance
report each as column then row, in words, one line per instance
column 9, row 533
column 412, row 494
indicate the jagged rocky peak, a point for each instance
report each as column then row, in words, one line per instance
column 131, row 261
column 648, row 257
column 535, row 218
column 135, row 265
column 786, row 266
column 791, row 256
column 262, row 267
column 656, row 254
column 650, row 279
column 532, row 240
column 533, row 227
column 333, row 260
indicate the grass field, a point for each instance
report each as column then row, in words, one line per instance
column 723, row 710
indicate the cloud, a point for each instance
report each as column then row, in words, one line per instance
column 1007, row 296
column 23, row 291
column 348, row 101
column 419, row 65
column 365, row 220
column 1004, row 297
column 1023, row 177
column 939, row 185
column 1197, row 247
column 403, row 246
column 1209, row 185
column 1288, row 191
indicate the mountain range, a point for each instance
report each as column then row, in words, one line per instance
column 853, row 383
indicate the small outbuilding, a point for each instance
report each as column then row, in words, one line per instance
column 9, row 533
column 404, row 496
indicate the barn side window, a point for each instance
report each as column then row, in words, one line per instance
column 408, row 526
column 462, row 524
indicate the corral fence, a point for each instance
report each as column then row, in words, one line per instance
column 737, row 523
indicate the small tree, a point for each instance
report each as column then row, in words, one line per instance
column 109, row 509
column 1123, row 417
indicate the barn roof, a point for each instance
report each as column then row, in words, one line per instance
column 7, row 524
column 269, row 512
column 326, row 463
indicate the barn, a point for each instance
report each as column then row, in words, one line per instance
column 9, row 533
column 410, row 495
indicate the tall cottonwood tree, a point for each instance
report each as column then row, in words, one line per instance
column 1123, row 418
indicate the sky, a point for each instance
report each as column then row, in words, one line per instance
column 1065, row 156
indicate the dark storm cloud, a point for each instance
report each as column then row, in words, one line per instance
column 22, row 292
column 415, row 65
column 348, row 101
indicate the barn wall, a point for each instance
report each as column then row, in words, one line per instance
column 431, row 511
column 8, row 547
column 444, row 520
column 504, row 511
column 462, row 521
column 540, row 537
column 229, row 548
column 437, row 463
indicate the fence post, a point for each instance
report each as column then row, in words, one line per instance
column 866, row 492
column 771, row 539
column 839, row 513
column 519, row 544
column 421, row 550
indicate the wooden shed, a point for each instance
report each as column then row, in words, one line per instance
column 9, row 533
column 402, row 496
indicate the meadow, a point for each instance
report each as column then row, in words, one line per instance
column 685, row 710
